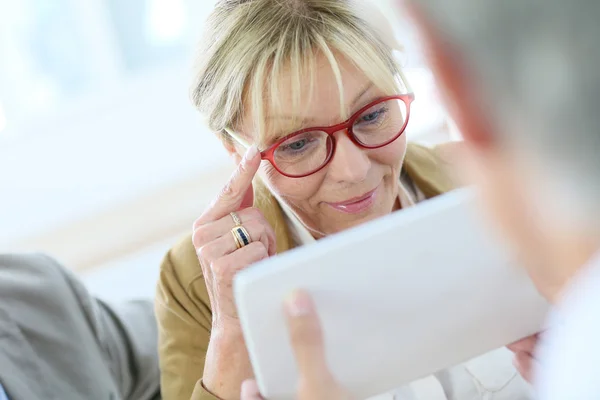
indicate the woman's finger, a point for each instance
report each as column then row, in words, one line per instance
column 253, row 221
column 525, row 364
column 307, row 340
column 250, row 390
column 526, row 345
column 226, row 244
column 226, row 267
column 235, row 191
column 214, row 229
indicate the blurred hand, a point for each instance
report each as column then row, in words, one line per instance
column 315, row 380
column 227, row 363
column 524, row 360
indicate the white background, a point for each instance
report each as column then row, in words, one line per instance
column 95, row 116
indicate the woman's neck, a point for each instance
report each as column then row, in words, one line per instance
column 397, row 204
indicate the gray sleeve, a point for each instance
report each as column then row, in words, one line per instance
column 127, row 335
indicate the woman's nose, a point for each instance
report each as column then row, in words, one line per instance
column 350, row 163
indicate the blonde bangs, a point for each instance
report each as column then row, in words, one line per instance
column 297, row 69
column 269, row 47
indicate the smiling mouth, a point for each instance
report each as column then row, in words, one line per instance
column 356, row 205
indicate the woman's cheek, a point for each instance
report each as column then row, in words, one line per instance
column 398, row 149
column 390, row 155
column 268, row 173
column 291, row 188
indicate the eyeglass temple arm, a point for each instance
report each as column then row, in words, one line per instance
column 237, row 138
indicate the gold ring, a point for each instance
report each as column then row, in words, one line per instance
column 236, row 219
column 240, row 236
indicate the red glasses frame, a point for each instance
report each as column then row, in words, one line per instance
column 269, row 153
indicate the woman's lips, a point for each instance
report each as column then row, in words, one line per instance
column 356, row 205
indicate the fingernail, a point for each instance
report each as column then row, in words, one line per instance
column 249, row 389
column 298, row 304
column 516, row 364
column 251, row 153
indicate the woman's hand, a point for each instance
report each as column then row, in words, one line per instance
column 524, row 351
column 227, row 363
column 315, row 380
column 217, row 251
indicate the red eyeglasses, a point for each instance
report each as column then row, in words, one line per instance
column 309, row 150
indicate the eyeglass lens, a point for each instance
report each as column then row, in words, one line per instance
column 306, row 152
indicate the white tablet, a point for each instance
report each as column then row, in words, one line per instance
column 399, row 298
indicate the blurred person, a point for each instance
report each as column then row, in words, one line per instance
column 312, row 89
column 58, row 342
column 522, row 79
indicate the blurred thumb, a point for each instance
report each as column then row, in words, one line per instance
column 250, row 390
column 306, row 337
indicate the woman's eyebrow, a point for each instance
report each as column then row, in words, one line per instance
column 302, row 121
column 360, row 94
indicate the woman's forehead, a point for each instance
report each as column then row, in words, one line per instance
column 325, row 104
column 312, row 95
column 318, row 84
column 321, row 106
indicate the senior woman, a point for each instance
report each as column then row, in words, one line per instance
column 310, row 102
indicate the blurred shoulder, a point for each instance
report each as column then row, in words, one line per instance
column 28, row 270
column 570, row 350
column 448, row 152
column 37, row 287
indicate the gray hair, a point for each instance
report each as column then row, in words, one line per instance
column 536, row 64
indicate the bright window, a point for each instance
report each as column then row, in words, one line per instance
column 55, row 52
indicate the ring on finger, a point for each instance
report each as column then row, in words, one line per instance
column 236, row 219
column 240, row 236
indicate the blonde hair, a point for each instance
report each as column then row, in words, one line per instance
column 249, row 43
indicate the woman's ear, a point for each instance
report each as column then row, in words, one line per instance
column 237, row 159
column 456, row 84
column 231, row 148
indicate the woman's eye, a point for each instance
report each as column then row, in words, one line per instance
column 297, row 145
column 372, row 116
